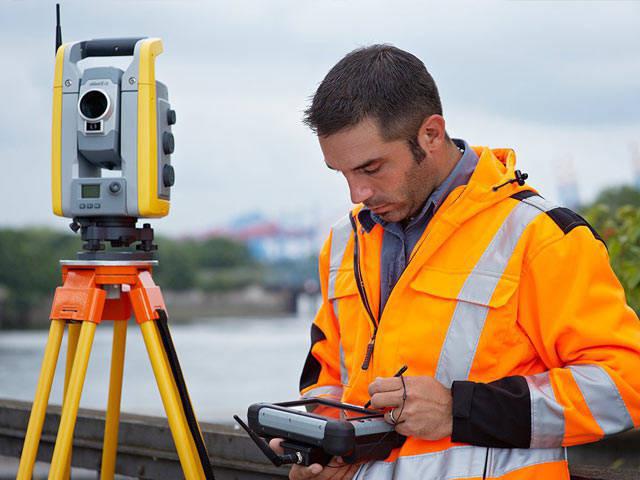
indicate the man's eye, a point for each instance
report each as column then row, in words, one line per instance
column 371, row 171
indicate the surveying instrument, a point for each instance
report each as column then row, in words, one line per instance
column 110, row 120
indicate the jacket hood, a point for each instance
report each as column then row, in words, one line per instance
column 487, row 186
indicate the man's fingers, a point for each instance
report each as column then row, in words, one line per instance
column 299, row 472
column 397, row 419
column 274, row 444
column 386, row 399
column 337, row 469
column 313, row 470
column 346, row 473
column 353, row 469
column 388, row 384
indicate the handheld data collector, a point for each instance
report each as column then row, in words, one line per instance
column 315, row 430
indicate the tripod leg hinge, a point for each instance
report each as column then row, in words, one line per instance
column 79, row 298
column 146, row 298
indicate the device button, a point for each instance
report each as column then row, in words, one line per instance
column 96, row 205
column 168, row 143
column 82, row 206
column 114, row 187
column 89, row 205
column 171, row 117
column 168, row 176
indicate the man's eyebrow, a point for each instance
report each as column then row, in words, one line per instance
column 359, row 167
column 366, row 164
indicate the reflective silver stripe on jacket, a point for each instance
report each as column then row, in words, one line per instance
column 547, row 415
column 602, row 397
column 340, row 234
column 459, row 348
column 326, row 391
column 344, row 373
column 540, row 203
column 459, row 462
column 502, row 461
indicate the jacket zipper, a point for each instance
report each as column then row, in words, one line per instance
column 363, row 295
column 363, row 292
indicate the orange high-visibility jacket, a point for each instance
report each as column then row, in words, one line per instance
column 508, row 296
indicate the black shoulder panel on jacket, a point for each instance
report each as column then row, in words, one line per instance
column 524, row 194
column 311, row 371
column 566, row 219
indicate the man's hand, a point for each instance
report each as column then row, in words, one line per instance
column 427, row 407
column 335, row 470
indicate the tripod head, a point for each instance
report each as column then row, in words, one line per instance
column 117, row 232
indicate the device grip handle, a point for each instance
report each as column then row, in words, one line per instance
column 109, row 47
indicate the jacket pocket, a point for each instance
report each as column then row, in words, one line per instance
column 478, row 287
column 344, row 285
column 466, row 318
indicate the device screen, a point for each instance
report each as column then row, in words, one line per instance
column 91, row 190
column 332, row 410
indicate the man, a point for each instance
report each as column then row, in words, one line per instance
column 515, row 330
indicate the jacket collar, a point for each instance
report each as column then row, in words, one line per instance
column 495, row 166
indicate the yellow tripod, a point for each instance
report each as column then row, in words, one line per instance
column 94, row 291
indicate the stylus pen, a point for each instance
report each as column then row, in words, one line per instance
column 399, row 373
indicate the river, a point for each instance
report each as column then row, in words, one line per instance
column 227, row 363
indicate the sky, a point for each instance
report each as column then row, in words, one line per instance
column 558, row 81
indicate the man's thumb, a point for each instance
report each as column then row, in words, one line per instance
column 274, row 443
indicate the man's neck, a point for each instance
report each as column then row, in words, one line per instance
column 451, row 157
column 445, row 165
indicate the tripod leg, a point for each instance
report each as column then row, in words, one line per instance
column 64, row 439
column 110, row 446
column 178, row 377
column 73, row 332
column 170, row 398
column 39, row 408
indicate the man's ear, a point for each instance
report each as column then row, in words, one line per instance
column 432, row 134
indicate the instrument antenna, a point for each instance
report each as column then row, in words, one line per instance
column 58, row 28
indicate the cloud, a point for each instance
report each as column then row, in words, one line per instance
column 549, row 78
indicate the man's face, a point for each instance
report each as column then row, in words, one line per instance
column 383, row 175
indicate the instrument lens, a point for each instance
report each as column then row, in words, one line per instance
column 94, row 104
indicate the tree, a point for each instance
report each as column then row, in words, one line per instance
column 220, row 252
column 616, row 216
column 616, row 197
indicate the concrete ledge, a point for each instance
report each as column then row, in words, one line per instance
column 146, row 449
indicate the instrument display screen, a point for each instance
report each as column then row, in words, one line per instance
column 91, row 190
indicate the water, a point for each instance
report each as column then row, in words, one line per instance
column 228, row 364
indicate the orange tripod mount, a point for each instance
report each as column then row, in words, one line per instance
column 94, row 291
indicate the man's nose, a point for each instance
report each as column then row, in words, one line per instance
column 360, row 192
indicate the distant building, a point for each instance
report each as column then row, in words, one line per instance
column 635, row 159
column 269, row 240
column 568, row 191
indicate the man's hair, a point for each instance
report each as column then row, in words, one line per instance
column 381, row 82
